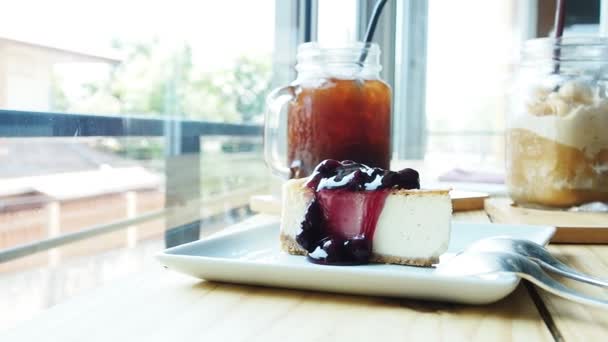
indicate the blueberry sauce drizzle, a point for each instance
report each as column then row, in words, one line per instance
column 339, row 223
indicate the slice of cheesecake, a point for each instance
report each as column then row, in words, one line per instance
column 362, row 223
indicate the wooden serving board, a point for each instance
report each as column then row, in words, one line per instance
column 461, row 201
column 572, row 227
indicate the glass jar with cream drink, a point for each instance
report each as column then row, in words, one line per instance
column 557, row 129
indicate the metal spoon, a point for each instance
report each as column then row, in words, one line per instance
column 481, row 263
column 536, row 253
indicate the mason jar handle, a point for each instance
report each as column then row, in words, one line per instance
column 275, row 104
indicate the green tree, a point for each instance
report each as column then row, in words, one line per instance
column 252, row 82
column 60, row 101
column 151, row 81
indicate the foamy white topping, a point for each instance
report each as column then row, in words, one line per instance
column 573, row 116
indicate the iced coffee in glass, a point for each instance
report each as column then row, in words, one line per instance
column 337, row 108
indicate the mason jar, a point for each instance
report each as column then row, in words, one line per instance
column 557, row 126
column 338, row 107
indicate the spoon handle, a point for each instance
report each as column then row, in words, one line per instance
column 546, row 260
column 558, row 267
column 537, row 276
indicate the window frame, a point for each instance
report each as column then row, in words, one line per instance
column 402, row 36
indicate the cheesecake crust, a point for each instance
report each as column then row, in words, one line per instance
column 420, row 192
column 289, row 245
column 389, row 259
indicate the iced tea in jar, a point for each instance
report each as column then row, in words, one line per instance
column 337, row 108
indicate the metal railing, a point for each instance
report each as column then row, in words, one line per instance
column 22, row 124
column 182, row 138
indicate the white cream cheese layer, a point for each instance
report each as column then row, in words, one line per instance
column 296, row 198
column 415, row 225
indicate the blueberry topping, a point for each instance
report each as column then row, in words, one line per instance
column 338, row 227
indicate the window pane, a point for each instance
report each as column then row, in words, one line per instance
column 199, row 60
column 337, row 22
column 468, row 67
column 164, row 106
column 471, row 59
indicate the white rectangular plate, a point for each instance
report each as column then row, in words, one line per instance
column 252, row 256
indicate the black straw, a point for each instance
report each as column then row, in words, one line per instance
column 371, row 27
column 560, row 16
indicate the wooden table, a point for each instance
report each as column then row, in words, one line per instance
column 166, row 306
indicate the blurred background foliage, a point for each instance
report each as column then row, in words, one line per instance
column 150, row 81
